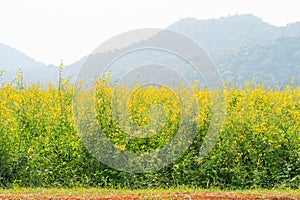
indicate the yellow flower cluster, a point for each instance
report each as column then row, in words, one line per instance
column 146, row 118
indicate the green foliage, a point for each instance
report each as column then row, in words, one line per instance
column 259, row 146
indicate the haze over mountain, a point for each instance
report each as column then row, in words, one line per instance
column 242, row 46
column 218, row 36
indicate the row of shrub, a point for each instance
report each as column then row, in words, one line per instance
column 258, row 146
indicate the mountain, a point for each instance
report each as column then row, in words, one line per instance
column 273, row 62
column 243, row 47
column 12, row 60
column 218, row 36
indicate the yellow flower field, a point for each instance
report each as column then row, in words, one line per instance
column 40, row 145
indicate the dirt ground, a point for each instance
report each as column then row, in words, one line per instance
column 187, row 196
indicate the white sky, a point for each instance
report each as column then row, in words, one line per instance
column 49, row 30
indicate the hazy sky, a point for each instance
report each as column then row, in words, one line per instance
column 49, row 30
